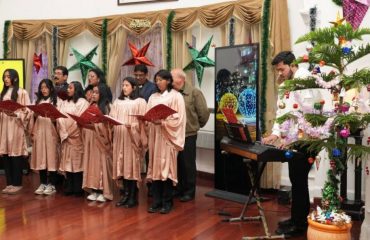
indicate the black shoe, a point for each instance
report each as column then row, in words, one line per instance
column 166, row 209
column 186, row 198
column 285, row 223
column 66, row 193
column 154, row 208
column 131, row 204
column 122, row 201
column 292, row 231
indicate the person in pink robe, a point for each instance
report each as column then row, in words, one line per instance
column 97, row 158
column 166, row 139
column 45, row 142
column 13, row 130
column 129, row 141
column 71, row 140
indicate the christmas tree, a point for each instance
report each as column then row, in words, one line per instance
column 316, row 129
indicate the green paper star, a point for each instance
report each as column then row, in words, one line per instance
column 84, row 63
column 199, row 60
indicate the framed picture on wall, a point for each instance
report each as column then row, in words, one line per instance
column 18, row 65
column 124, row 2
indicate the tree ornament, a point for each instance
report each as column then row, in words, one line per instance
column 282, row 105
column 305, row 58
column 368, row 87
column 346, row 50
column 200, row 60
column 368, row 141
column 309, row 47
column 322, row 102
column 138, row 56
column 336, row 152
column 287, row 94
column 289, row 154
column 338, row 21
column 342, row 40
column 322, row 63
column 354, row 12
column 295, row 105
column 367, row 170
column 37, row 62
column 300, row 134
column 317, row 106
column 344, row 133
column 311, row 160
column 345, row 107
column 332, row 164
column 316, row 70
column 84, row 63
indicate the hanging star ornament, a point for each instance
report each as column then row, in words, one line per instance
column 200, row 60
column 37, row 62
column 138, row 56
column 84, row 63
column 338, row 21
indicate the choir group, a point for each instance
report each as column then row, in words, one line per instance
column 95, row 157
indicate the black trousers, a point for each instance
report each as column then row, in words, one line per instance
column 13, row 167
column 162, row 193
column 44, row 177
column 73, row 183
column 298, row 175
column 187, row 168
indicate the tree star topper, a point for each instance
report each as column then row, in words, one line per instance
column 84, row 63
column 200, row 60
column 138, row 57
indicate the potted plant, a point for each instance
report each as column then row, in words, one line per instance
column 313, row 127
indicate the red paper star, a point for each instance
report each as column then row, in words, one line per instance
column 138, row 57
column 37, row 62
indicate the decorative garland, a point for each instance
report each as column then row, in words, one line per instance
column 5, row 39
column 264, row 52
column 170, row 18
column 338, row 2
column 232, row 32
column 313, row 21
column 104, row 45
column 54, row 42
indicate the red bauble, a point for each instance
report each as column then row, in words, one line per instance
column 287, row 93
column 311, row 160
column 322, row 63
column 295, row 105
column 305, row 58
column 322, row 102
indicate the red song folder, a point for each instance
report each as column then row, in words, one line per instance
column 92, row 114
column 10, row 106
column 110, row 120
column 230, row 115
column 47, row 110
column 157, row 112
column 82, row 121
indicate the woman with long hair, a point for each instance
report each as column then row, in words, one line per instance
column 97, row 158
column 45, row 142
column 166, row 139
column 129, row 141
column 71, row 140
column 13, row 128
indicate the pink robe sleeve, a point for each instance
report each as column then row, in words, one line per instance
column 174, row 126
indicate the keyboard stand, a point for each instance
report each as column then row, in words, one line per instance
column 254, row 194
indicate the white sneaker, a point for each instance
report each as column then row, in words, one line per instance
column 6, row 190
column 100, row 198
column 40, row 190
column 50, row 189
column 92, row 197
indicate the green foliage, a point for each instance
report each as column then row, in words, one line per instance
column 285, row 117
column 338, row 2
column 297, row 84
column 5, row 39
column 104, row 45
column 357, row 79
column 353, row 120
column 361, row 52
column 315, row 119
column 264, row 57
column 170, row 18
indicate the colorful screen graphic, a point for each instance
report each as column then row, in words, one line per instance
column 237, row 87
